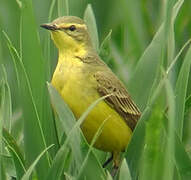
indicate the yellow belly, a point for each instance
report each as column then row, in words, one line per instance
column 78, row 91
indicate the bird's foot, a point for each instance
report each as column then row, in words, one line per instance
column 114, row 171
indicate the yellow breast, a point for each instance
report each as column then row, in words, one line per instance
column 78, row 89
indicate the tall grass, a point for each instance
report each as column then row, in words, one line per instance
column 146, row 43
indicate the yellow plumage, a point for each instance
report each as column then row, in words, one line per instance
column 81, row 78
column 78, row 89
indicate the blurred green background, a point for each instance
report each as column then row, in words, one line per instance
column 161, row 145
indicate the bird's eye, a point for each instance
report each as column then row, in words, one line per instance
column 72, row 28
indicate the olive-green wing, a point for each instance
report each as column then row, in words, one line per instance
column 120, row 100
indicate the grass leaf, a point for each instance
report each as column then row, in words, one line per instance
column 109, row 177
column 2, row 100
column 67, row 120
column 29, row 110
column 28, row 173
column 135, row 148
column 16, row 153
column 73, row 136
column 63, row 8
column 7, row 102
column 182, row 159
column 89, row 19
column 105, row 51
column 146, row 70
column 152, row 161
column 58, row 164
column 180, row 92
column 124, row 173
column 170, row 135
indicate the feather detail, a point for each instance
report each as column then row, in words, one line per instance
column 120, row 100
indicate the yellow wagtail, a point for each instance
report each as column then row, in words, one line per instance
column 81, row 77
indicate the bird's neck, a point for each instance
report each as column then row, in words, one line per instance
column 75, row 51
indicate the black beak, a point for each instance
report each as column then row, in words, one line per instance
column 49, row 27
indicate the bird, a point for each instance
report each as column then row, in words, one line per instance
column 81, row 77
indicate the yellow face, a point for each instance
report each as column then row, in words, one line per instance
column 69, row 33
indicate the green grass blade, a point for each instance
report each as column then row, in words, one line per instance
column 2, row 170
column 182, row 159
column 135, row 148
column 68, row 121
column 137, row 35
column 68, row 177
column 90, row 21
column 7, row 104
column 5, row 115
column 30, row 112
column 13, row 54
column 63, row 8
column 35, row 81
column 170, row 139
column 170, row 67
column 73, row 134
column 152, row 161
column 117, row 63
column 180, row 92
column 8, row 139
column 105, row 51
column 187, row 104
column 176, row 8
column 16, row 153
column 124, row 173
column 84, row 167
column 172, row 10
column 92, row 165
column 47, row 52
column 58, row 164
column 109, row 177
column 146, row 70
column 36, row 107
column 2, row 100
column 28, row 173
column 51, row 10
column 169, row 30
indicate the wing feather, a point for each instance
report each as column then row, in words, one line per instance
column 120, row 100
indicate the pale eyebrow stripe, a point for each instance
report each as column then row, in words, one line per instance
column 63, row 25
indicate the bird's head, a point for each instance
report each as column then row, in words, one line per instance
column 69, row 32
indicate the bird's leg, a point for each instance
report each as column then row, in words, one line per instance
column 116, row 163
column 108, row 161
